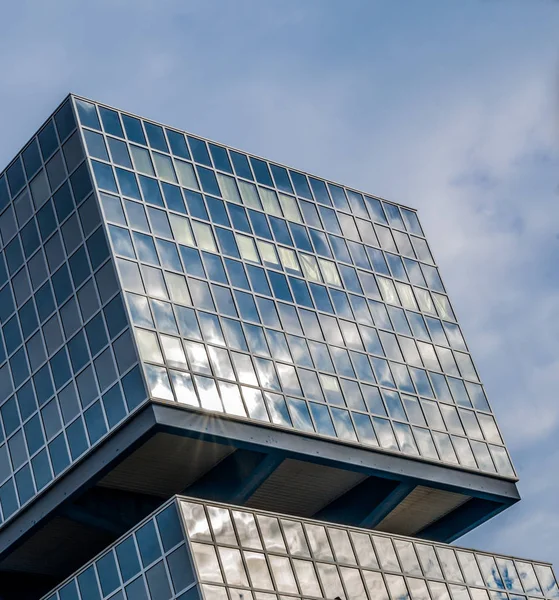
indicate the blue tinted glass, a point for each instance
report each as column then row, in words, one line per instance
column 330, row 220
column 159, row 222
column 396, row 266
column 31, row 160
column 14, row 255
column 133, row 386
column 151, row 191
column 358, row 254
column 217, row 211
column 196, row 206
column 41, row 469
column 7, row 303
column 28, row 318
column 59, row 454
column 95, row 422
column 224, row 300
column 260, row 224
column 97, row 248
column 208, row 181
column 310, row 214
column 281, row 232
column 268, row 312
column 4, row 196
column 158, row 582
column 12, row 335
column 169, row 255
column 24, row 484
column 96, row 145
column 279, row 286
column 240, row 163
column 148, row 543
column 128, row 184
column 133, row 128
column 322, row 419
column 301, row 184
column 108, row 573
column 10, row 416
column 46, row 220
column 237, row 274
column 136, row 590
column 281, row 177
column 78, row 350
column 338, row 196
column 104, row 176
column 43, row 384
column 88, row 114
column 378, row 261
column 156, row 137
column 375, row 210
column 96, row 335
column 62, row 284
column 258, row 280
column 114, row 405
column 340, row 249
column 214, row 267
column 145, row 248
column 64, row 119
column 300, row 237
column 301, row 292
column 357, row 204
column 115, row 316
column 178, row 144
column 63, row 202
column 320, row 243
column 48, row 140
column 121, row 241
column 191, row 261
column 261, row 171
column 173, row 198
column 221, row 160
column 111, row 122
column 321, row 299
column 18, row 365
column 136, row 216
column 199, row 151
column 341, row 304
column 247, row 306
column 201, row 296
column 119, row 152
column 227, row 242
column 418, row 326
column 76, row 439
column 320, row 192
column 80, row 182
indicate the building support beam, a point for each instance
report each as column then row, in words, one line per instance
column 462, row 520
column 354, row 507
column 112, row 511
column 237, row 477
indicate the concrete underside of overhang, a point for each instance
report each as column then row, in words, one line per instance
column 164, row 450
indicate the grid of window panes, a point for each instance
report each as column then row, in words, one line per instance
column 150, row 563
column 253, row 555
column 64, row 342
column 262, row 292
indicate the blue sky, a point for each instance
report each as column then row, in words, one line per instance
column 451, row 107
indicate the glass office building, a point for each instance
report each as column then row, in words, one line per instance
column 179, row 317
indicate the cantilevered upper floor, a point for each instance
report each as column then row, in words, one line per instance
column 181, row 316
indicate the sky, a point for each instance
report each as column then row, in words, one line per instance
column 450, row 107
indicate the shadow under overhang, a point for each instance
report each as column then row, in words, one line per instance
column 164, row 449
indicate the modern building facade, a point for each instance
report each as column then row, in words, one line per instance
column 182, row 319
